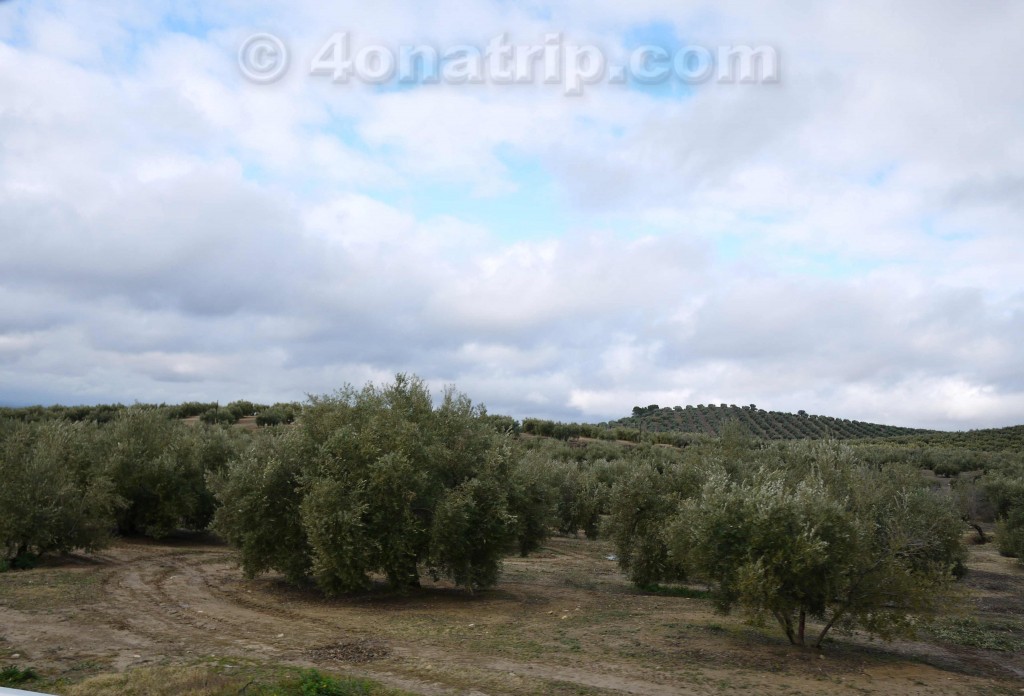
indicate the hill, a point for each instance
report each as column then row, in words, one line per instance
column 771, row 425
column 984, row 440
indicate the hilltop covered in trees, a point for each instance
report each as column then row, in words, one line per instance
column 769, row 425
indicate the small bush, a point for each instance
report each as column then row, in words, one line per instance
column 503, row 424
column 1010, row 539
column 25, row 561
column 531, row 497
column 12, row 675
column 315, row 684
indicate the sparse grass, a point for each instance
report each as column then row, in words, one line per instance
column 561, row 688
column 678, row 591
column 1002, row 635
column 204, row 680
column 509, row 641
column 226, row 679
column 580, row 580
column 45, row 588
column 690, row 627
column 571, row 644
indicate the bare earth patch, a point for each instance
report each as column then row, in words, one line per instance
column 356, row 651
column 564, row 621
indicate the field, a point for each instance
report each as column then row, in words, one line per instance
column 178, row 617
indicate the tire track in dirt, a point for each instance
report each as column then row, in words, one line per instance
column 175, row 601
column 184, row 602
column 175, row 604
column 191, row 600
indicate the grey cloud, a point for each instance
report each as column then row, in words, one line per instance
column 202, row 244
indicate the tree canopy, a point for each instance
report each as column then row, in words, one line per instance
column 822, row 535
column 379, row 480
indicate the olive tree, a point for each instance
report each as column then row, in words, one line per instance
column 159, row 466
column 260, row 501
column 380, row 481
column 642, row 502
column 54, row 496
column 470, row 532
column 973, row 503
column 822, row 536
column 532, row 489
column 1004, row 487
column 581, row 497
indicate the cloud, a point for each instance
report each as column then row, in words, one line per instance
column 845, row 241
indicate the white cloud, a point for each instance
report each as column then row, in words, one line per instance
column 846, row 241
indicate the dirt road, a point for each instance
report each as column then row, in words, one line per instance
column 563, row 621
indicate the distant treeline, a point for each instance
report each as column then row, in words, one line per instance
column 768, row 425
column 987, row 440
column 207, row 411
column 603, row 431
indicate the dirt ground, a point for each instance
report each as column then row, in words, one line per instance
column 563, row 621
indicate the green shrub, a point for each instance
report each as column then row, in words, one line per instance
column 503, row 424
column 315, row 684
column 1010, row 537
column 539, row 427
column 12, row 675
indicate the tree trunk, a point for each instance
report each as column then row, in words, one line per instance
column 982, row 539
column 787, row 625
column 828, row 626
column 800, row 630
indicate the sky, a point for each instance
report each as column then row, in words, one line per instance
column 845, row 238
